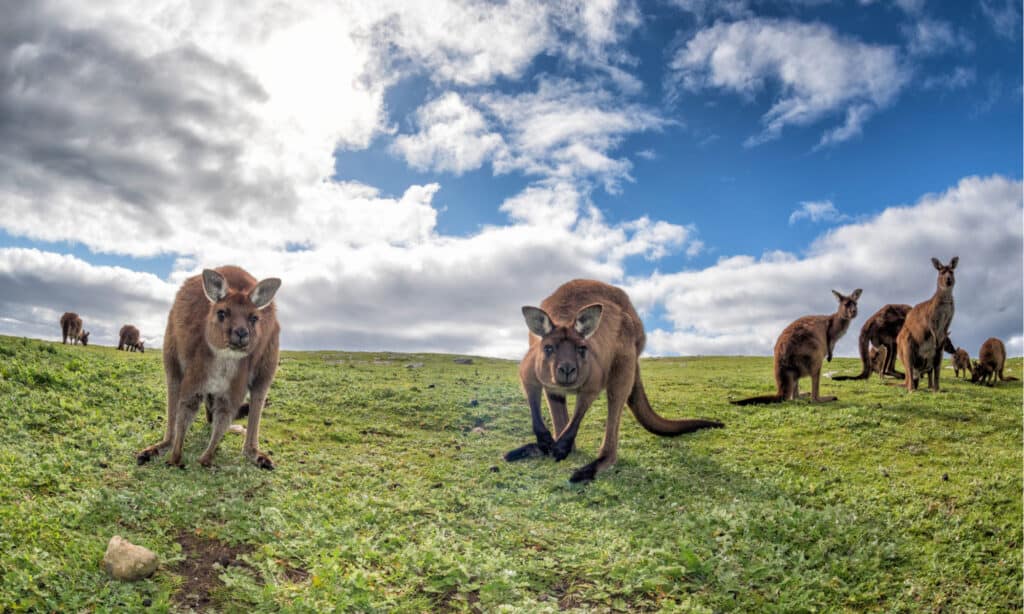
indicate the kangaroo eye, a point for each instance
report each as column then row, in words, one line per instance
column 253, row 319
column 582, row 351
column 549, row 350
column 221, row 314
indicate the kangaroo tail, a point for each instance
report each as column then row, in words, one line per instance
column 768, row 398
column 656, row 424
column 866, row 369
column 1010, row 379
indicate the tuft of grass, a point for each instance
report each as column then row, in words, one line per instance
column 387, row 496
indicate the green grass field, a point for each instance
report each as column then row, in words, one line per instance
column 388, row 498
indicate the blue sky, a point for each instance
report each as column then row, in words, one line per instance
column 711, row 158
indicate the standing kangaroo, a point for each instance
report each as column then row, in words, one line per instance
column 879, row 358
column 585, row 339
column 71, row 328
column 129, row 339
column 923, row 336
column 990, row 364
column 803, row 346
column 961, row 362
column 221, row 340
column 880, row 330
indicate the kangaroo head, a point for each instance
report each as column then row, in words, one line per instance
column 84, row 338
column 980, row 371
column 141, row 346
column 562, row 357
column 946, row 277
column 848, row 304
column 233, row 321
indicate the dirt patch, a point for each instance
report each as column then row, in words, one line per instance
column 201, row 577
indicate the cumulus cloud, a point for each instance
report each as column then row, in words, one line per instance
column 739, row 305
column 453, row 137
column 818, row 72
column 931, row 36
column 817, row 211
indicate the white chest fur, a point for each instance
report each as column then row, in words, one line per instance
column 222, row 371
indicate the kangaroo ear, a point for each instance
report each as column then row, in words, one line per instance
column 588, row 319
column 214, row 285
column 537, row 321
column 952, row 263
column 264, row 292
column 839, row 297
column 855, row 295
column 936, row 264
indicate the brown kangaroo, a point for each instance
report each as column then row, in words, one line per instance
column 990, row 363
column 923, row 337
column 221, row 340
column 879, row 358
column 129, row 339
column 961, row 362
column 71, row 328
column 880, row 330
column 584, row 339
column 803, row 346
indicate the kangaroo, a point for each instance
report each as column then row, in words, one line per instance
column 221, row 340
column 71, row 328
column 990, row 363
column 129, row 339
column 961, row 362
column 802, row 347
column 880, row 330
column 879, row 358
column 923, row 337
column 584, row 339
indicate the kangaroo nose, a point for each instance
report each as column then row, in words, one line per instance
column 241, row 335
column 566, row 372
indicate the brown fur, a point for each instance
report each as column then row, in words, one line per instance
column 803, row 347
column 961, row 362
column 880, row 330
column 71, row 328
column 129, row 339
column 990, row 364
column 879, row 358
column 221, row 341
column 923, row 337
column 585, row 339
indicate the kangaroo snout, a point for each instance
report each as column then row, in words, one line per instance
column 566, row 373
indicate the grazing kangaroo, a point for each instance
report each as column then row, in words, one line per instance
column 71, row 328
column 879, row 358
column 803, row 346
column 924, row 334
column 990, row 363
column 961, row 362
column 129, row 339
column 221, row 340
column 585, row 339
column 880, row 330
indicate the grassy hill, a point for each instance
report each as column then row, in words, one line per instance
column 387, row 496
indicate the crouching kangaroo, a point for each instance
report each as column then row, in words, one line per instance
column 925, row 333
column 880, row 331
column 221, row 340
column 990, row 364
column 129, row 339
column 71, row 328
column 584, row 339
column 803, row 346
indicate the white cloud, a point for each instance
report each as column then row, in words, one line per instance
column 739, row 305
column 1004, row 15
column 817, row 211
column 931, row 37
column 818, row 72
column 453, row 137
column 960, row 77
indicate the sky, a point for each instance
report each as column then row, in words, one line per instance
column 415, row 172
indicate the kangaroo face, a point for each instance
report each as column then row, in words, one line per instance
column 946, row 278
column 980, row 371
column 848, row 304
column 84, row 338
column 142, row 346
column 233, row 321
column 562, row 357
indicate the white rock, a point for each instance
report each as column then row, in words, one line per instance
column 237, row 428
column 126, row 561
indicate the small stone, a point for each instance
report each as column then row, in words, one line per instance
column 147, row 602
column 237, row 428
column 432, row 386
column 945, row 477
column 479, row 430
column 474, row 403
column 414, row 365
column 126, row 561
column 494, row 469
column 102, row 465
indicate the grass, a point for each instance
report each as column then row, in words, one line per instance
column 387, row 499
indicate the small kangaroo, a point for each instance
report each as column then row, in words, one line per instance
column 803, row 346
column 71, row 328
column 961, row 362
column 923, row 337
column 990, row 363
column 879, row 358
column 221, row 340
column 880, row 330
column 129, row 339
column 585, row 339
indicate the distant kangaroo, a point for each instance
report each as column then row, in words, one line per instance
column 71, row 328
column 923, row 337
column 990, row 363
column 880, row 330
column 221, row 340
column 961, row 362
column 803, row 346
column 585, row 339
column 879, row 358
column 129, row 339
